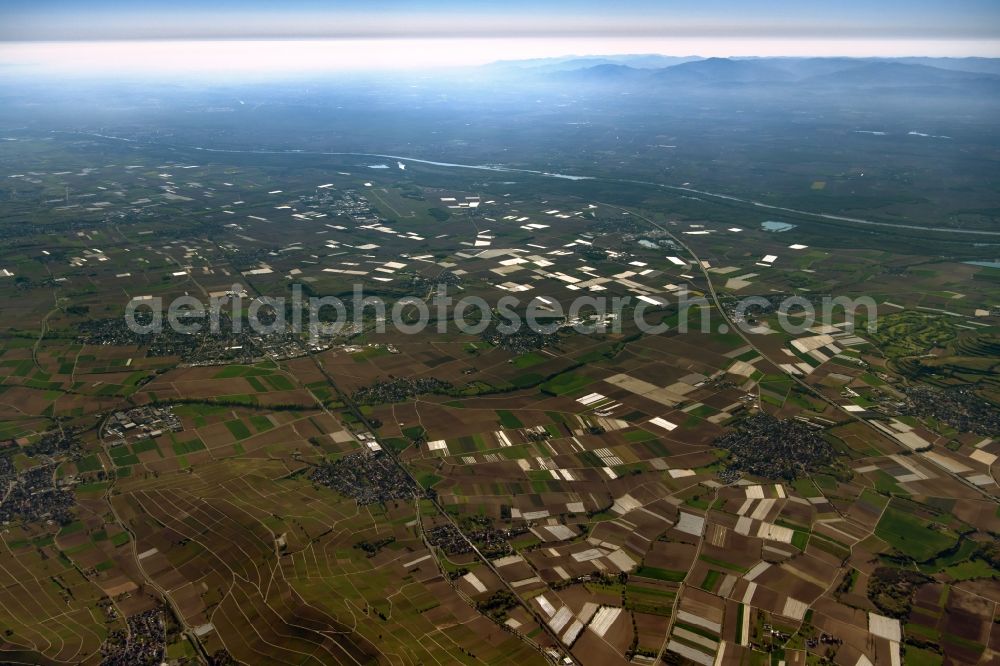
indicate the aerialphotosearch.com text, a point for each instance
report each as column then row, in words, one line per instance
column 324, row 316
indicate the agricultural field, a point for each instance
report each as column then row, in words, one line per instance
column 674, row 479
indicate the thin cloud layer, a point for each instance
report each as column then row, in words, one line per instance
column 55, row 20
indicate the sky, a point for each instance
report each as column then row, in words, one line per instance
column 264, row 36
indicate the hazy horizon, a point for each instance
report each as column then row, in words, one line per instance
column 276, row 58
column 260, row 37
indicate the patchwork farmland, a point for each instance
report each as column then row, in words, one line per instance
column 726, row 492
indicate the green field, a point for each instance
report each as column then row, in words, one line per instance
column 567, row 382
column 238, row 428
column 912, row 535
column 661, row 574
column 508, row 420
column 181, row 448
column 710, row 580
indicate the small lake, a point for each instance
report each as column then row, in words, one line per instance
column 777, row 227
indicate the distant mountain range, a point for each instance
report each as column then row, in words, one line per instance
column 569, row 63
column 693, row 71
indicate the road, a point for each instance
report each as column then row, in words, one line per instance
column 346, row 399
column 356, row 411
column 188, row 630
column 805, row 385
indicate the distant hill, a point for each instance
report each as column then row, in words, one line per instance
column 724, row 70
column 889, row 73
column 606, row 73
column 980, row 65
column 573, row 63
column 822, row 72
